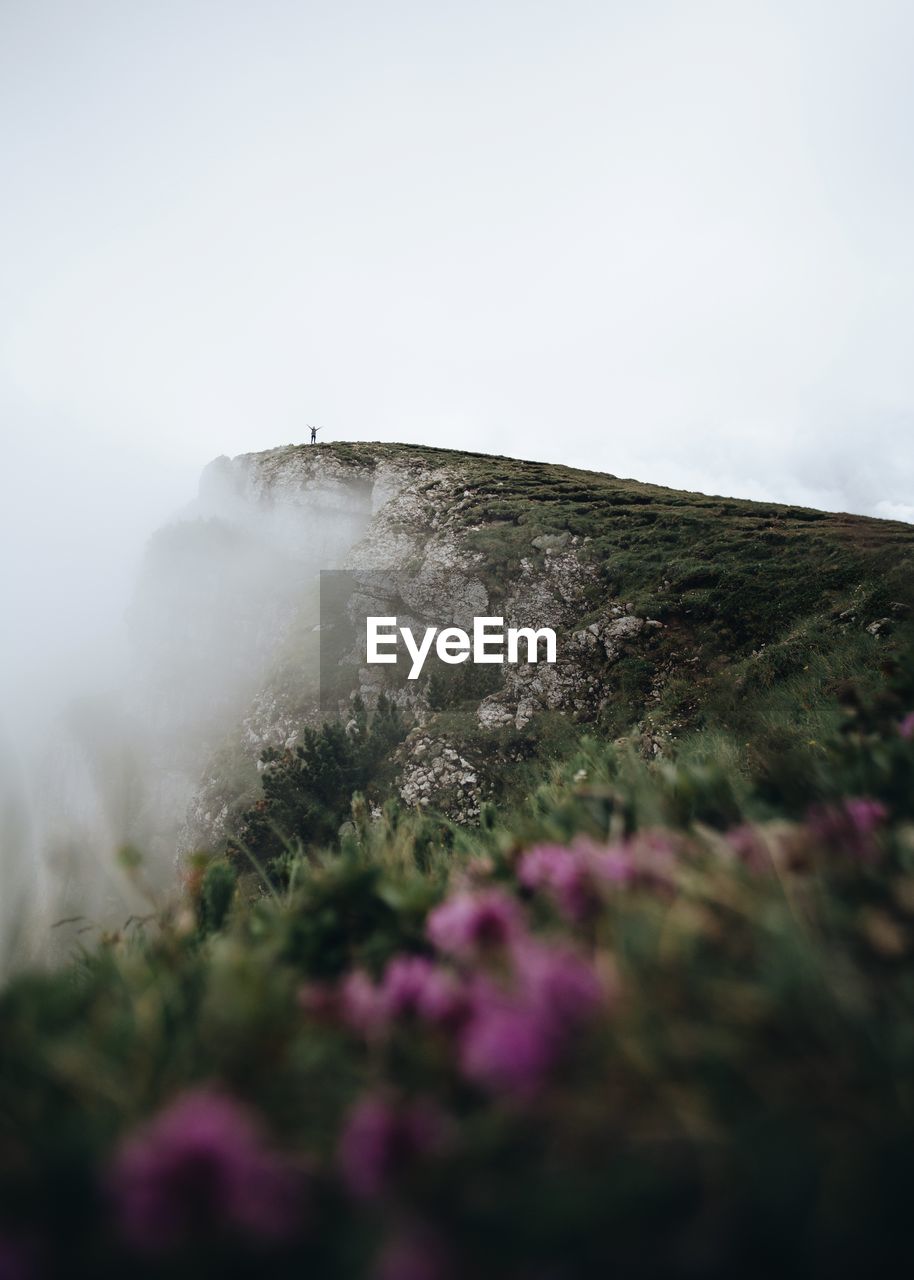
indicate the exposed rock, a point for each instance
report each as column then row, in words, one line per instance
column 402, row 528
column 436, row 774
column 576, row 683
column 880, row 627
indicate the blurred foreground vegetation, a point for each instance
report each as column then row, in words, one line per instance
column 655, row 1019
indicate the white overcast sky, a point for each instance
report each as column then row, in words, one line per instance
column 663, row 239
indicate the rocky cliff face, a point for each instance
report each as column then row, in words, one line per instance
column 648, row 590
column 227, row 612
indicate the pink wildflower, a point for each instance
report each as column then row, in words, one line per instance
column 567, row 874
column 573, row 875
column 557, row 982
column 851, row 825
column 405, row 981
column 750, row 848
column 381, row 1143
column 515, row 1034
column 414, row 985
column 906, row 727
column 469, row 922
column 361, row 1004
column 652, row 856
column 614, row 864
column 202, row 1168
column 507, row 1047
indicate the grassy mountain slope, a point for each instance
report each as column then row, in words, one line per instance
column 650, row 1015
column 767, row 613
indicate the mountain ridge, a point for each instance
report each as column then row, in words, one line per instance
column 661, row 597
column 605, row 972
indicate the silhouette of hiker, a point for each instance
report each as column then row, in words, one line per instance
column 314, row 431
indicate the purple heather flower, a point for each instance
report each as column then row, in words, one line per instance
column 361, row 1004
column 199, row 1169
column 850, row 825
column 614, row 864
column 412, row 986
column 557, row 982
column 865, row 813
column 516, row 1033
column 750, row 848
column 573, row 875
column 544, row 864
column 415, row 985
column 567, row 874
column 381, row 1142
column 652, row 856
column 469, row 922
column 906, row 727
column 508, row 1047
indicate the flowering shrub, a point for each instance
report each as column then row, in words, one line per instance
column 199, row 1170
column 576, row 1044
column 573, row 876
column 381, row 1142
column 473, row 923
column 850, row 826
column 517, row 1030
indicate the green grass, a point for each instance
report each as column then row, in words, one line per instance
column 753, row 650
column 741, row 1104
column 744, row 1098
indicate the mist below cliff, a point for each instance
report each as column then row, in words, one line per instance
column 127, row 655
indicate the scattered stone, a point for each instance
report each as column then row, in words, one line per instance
column 551, row 541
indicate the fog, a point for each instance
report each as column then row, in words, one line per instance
column 669, row 240
column 665, row 240
column 74, row 518
column 129, row 661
